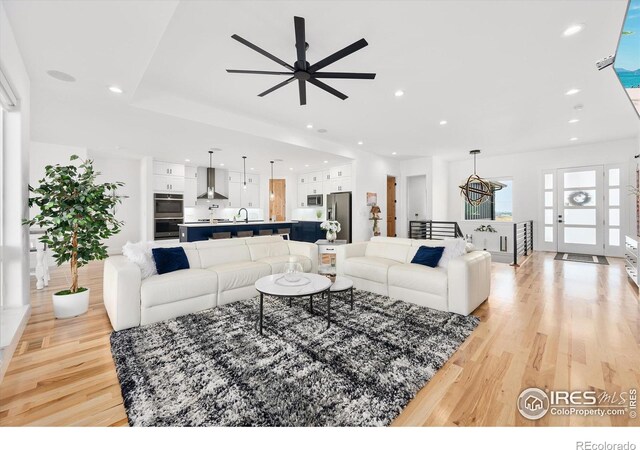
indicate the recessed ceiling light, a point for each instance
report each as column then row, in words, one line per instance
column 222, row 164
column 290, row 168
column 325, row 162
column 306, row 165
column 61, row 76
column 574, row 120
column 394, row 153
column 573, row 139
column 187, row 160
column 360, row 142
column 116, row 89
column 578, row 107
column 399, row 93
column 572, row 91
column 252, row 168
column 573, row 29
column 310, row 126
column 443, row 122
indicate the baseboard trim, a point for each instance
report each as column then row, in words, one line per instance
column 8, row 351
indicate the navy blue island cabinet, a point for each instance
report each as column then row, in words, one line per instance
column 202, row 232
column 307, row 231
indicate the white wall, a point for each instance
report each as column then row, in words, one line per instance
column 416, row 197
column 526, row 171
column 128, row 172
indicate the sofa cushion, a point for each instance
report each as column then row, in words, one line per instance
column 277, row 263
column 176, row 286
column 428, row 256
column 368, row 267
column 222, row 251
column 170, row 259
column 234, row 275
column 419, row 278
column 452, row 249
column 267, row 246
column 189, row 248
column 388, row 250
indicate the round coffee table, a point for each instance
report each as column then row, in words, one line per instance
column 343, row 284
column 317, row 284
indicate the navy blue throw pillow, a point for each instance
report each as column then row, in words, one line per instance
column 170, row 259
column 428, row 256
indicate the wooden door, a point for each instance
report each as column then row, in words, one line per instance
column 391, row 206
column 277, row 201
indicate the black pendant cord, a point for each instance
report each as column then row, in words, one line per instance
column 272, row 193
column 244, row 171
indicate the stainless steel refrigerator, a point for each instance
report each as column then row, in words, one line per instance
column 339, row 208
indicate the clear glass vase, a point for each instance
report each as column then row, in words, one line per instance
column 293, row 271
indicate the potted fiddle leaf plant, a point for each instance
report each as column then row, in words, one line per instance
column 76, row 214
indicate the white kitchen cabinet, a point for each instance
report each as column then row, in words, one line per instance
column 326, row 175
column 164, row 183
column 302, row 195
column 190, row 172
column 314, row 188
column 250, row 196
column 342, row 184
column 315, row 177
column 303, row 179
column 235, row 177
column 190, row 191
column 170, row 169
column 340, row 171
column 235, row 195
column 252, row 178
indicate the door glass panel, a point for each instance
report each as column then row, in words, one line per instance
column 548, row 199
column 585, row 216
column 580, row 197
column 614, row 217
column 614, row 236
column 578, row 235
column 548, row 181
column 580, row 179
column 548, row 234
column 548, row 216
column 614, row 177
column 614, row 197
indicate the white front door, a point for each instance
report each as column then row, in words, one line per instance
column 580, row 210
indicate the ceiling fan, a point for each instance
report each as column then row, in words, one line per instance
column 302, row 70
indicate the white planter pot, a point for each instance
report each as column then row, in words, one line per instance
column 70, row 305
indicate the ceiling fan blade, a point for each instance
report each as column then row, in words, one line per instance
column 349, row 75
column 301, row 50
column 302, row 87
column 262, row 52
column 277, row 86
column 327, row 88
column 349, row 49
column 258, row 72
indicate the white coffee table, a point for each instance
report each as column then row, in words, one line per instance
column 317, row 284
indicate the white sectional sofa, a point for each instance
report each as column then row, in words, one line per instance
column 383, row 266
column 221, row 271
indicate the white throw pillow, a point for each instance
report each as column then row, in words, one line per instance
column 470, row 247
column 452, row 249
column 140, row 254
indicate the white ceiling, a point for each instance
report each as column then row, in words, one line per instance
column 497, row 71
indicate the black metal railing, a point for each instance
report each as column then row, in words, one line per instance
column 433, row 229
column 522, row 241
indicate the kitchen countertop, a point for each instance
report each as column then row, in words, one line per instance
column 231, row 224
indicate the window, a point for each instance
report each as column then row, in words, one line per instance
column 498, row 207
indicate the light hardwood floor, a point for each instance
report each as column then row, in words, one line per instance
column 549, row 324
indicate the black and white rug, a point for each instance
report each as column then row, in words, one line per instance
column 213, row 369
column 577, row 257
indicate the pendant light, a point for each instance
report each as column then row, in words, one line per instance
column 244, row 173
column 476, row 190
column 210, row 192
column 271, row 193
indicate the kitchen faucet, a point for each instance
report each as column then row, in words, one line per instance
column 246, row 214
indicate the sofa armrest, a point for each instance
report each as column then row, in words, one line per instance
column 121, row 292
column 307, row 249
column 469, row 280
column 343, row 252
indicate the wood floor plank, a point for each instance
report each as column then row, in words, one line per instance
column 549, row 324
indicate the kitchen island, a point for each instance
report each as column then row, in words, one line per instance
column 202, row 231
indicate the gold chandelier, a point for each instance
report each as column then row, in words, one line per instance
column 476, row 190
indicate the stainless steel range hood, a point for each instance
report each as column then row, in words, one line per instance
column 214, row 181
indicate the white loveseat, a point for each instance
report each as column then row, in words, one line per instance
column 221, row 271
column 383, row 266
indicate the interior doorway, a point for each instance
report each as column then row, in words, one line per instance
column 277, row 199
column 391, row 206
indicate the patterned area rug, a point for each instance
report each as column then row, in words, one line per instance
column 577, row 257
column 213, row 369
